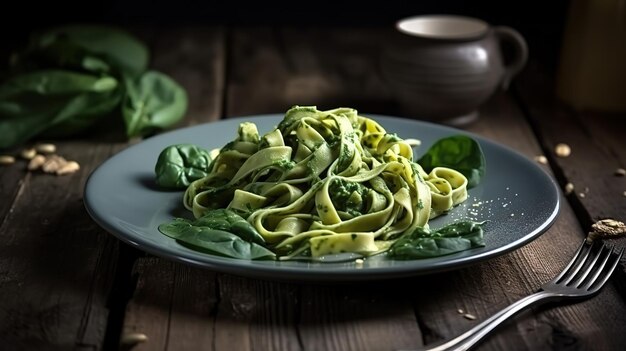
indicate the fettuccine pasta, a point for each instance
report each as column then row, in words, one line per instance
column 325, row 182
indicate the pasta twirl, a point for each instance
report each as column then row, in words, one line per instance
column 325, row 182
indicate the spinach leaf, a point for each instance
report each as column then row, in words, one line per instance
column 423, row 243
column 18, row 130
column 460, row 153
column 112, row 45
column 54, row 83
column 82, row 111
column 223, row 219
column 68, row 77
column 209, row 234
column 94, row 64
column 153, row 101
column 59, row 117
column 179, row 165
column 33, row 103
column 57, row 54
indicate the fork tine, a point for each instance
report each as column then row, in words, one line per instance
column 591, row 265
column 597, row 268
column 595, row 284
column 571, row 272
column 571, row 263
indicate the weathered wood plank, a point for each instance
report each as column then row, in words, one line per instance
column 256, row 315
column 173, row 304
column 608, row 131
column 273, row 69
column 365, row 316
column 597, row 147
column 195, row 58
column 12, row 180
column 488, row 287
column 57, row 264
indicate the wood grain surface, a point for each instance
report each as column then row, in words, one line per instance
column 597, row 144
column 56, row 264
column 66, row 284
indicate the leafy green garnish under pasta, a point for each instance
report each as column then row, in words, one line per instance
column 423, row 243
column 325, row 182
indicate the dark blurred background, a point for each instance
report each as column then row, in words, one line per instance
column 541, row 23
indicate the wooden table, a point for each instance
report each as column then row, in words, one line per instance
column 67, row 284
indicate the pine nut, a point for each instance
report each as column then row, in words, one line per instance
column 36, row 162
column 28, row 154
column 608, row 228
column 46, row 148
column 6, row 160
column 69, row 167
column 562, row 150
column 541, row 159
column 53, row 163
column 133, row 338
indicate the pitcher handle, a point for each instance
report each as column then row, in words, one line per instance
column 520, row 54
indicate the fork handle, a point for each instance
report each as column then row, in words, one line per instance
column 468, row 339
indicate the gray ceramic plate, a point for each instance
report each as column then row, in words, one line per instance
column 519, row 200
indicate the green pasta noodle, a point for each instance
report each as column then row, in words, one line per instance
column 325, row 182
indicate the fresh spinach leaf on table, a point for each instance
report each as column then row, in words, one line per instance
column 424, row 243
column 55, row 101
column 71, row 44
column 153, row 101
column 67, row 78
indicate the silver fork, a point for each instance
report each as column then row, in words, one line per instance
column 583, row 277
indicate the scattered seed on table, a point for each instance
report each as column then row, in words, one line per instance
column 581, row 194
column 569, row 187
column 46, row 148
column 607, row 228
column 28, row 154
column 133, row 338
column 53, row 163
column 36, row 162
column 69, row 167
column 460, row 311
column 620, row 172
column 6, row 160
column 469, row 316
column 562, row 150
column 541, row 159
